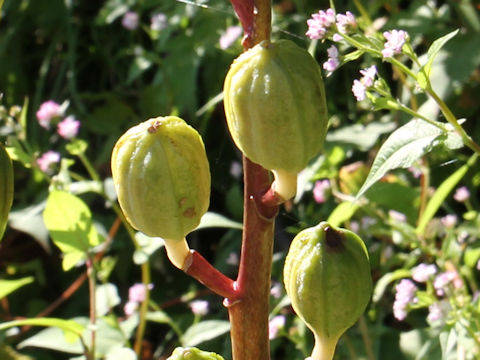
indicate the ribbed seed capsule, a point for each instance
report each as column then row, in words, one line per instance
column 327, row 277
column 192, row 353
column 275, row 108
column 162, row 177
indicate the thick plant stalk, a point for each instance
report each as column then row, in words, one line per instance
column 249, row 315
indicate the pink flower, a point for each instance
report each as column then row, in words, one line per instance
column 359, row 87
column 320, row 189
column 346, row 22
column 449, row 220
column 199, row 307
column 397, row 216
column 236, row 169
column 368, row 75
column 423, row 272
column 395, row 41
column 68, row 127
column 359, row 90
column 130, row 307
column 461, row 194
column 130, row 20
column 47, row 160
column 405, row 294
column 138, row 292
column 332, row 63
column 48, row 111
column 275, row 324
column 320, row 24
column 230, row 36
column 276, row 290
column 158, row 22
column 442, row 281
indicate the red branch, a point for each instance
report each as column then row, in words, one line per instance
column 197, row 267
column 244, row 11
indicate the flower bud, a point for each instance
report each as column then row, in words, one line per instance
column 275, row 108
column 327, row 277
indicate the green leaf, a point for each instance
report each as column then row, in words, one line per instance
column 147, row 246
column 434, row 50
column 403, row 147
column 471, row 257
column 108, row 337
column 122, row 353
column 360, row 136
column 106, row 298
column 343, row 212
column 211, row 219
column 29, row 220
column 16, row 153
column 159, row 316
column 71, row 328
column 441, row 194
column 9, row 286
column 204, row 331
column 69, row 222
column 6, row 188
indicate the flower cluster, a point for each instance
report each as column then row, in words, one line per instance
column 199, row 307
column 326, row 23
column 405, row 295
column 395, row 41
column 136, row 294
column 131, row 20
column 51, row 113
column 320, row 190
column 360, row 87
column 438, row 304
column 333, row 62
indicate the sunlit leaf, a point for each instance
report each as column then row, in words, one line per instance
column 204, row 331
column 211, row 219
column 403, row 147
column 69, row 222
column 9, row 286
column 434, row 50
column 343, row 212
column 71, row 328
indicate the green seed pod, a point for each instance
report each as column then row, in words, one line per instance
column 275, row 109
column 6, row 188
column 192, row 353
column 162, row 177
column 327, row 277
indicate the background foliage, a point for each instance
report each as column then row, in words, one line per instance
column 112, row 78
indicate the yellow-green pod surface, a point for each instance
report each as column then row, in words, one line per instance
column 275, row 105
column 191, row 353
column 327, row 277
column 6, row 188
column 162, row 177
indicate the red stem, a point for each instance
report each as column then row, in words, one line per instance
column 199, row 268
